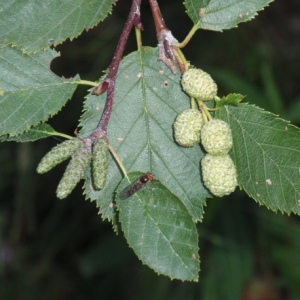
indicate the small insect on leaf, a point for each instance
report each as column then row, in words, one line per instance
column 136, row 186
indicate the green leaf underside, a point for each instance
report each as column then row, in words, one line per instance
column 36, row 25
column 223, row 14
column 160, row 230
column 31, row 92
column 266, row 151
column 35, row 133
column 148, row 99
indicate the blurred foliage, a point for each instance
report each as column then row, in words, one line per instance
column 52, row 249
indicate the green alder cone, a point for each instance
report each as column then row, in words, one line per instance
column 74, row 172
column 219, row 174
column 100, row 163
column 199, row 84
column 58, row 154
column 216, row 137
column 187, row 127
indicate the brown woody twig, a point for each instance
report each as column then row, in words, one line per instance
column 109, row 83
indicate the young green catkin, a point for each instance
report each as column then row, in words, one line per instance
column 216, row 137
column 199, row 84
column 219, row 174
column 74, row 172
column 100, row 163
column 58, row 154
column 187, row 127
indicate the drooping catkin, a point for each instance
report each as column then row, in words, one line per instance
column 100, row 163
column 58, row 154
column 74, row 172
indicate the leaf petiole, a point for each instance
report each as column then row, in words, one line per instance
column 87, row 82
column 189, row 36
column 138, row 38
column 62, row 135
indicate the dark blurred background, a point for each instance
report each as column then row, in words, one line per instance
column 54, row 249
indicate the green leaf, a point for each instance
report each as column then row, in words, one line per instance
column 148, row 99
column 35, row 25
column 222, row 14
column 160, row 230
column 230, row 99
column 38, row 132
column 266, row 151
column 31, row 92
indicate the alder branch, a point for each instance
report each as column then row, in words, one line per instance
column 109, row 83
column 168, row 51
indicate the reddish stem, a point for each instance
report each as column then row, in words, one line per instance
column 109, row 83
column 158, row 18
column 166, row 41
